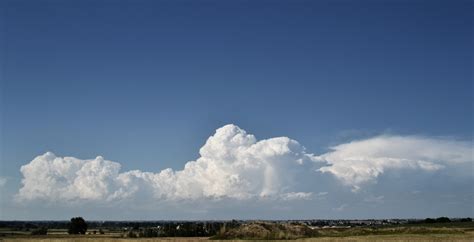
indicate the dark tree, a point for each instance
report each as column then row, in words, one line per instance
column 77, row 226
column 429, row 220
column 443, row 220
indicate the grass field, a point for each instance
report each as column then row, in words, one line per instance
column 415, row 232
column 393, row 238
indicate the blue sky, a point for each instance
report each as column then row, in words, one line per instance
column 145, row 83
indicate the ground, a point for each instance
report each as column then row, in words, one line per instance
column 393, row 238
column 254, row 230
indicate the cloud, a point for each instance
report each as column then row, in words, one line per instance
column 374, row 199
column 235, row 165
column 3, row 181
column 360, row 162
column 322, row 194
column 54, row 178
column 232, row 164
column 297, row 196
column 340, row 208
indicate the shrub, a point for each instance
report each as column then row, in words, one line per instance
column 429, row 220
column 443, row 220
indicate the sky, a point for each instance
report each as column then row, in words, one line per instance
column 116, row 110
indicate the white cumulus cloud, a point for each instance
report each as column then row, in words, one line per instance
column 232, row 164
column 50, row 177
column 360, row 162
column 235, row 165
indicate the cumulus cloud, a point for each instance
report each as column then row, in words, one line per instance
column 232, row 164
column 360, row 162
column 235, row 165
column 50, row 177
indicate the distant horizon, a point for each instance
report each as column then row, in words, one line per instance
column 219, row 220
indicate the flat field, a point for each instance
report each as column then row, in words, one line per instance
column 392, row 238
column 417, row 232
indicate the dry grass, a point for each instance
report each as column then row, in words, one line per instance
column 391, row 238
column 103, row 238
column 261, row 231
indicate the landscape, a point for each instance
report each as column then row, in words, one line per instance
column 430, row 229
column 236, row 120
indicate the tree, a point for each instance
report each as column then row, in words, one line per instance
column 77, row 226
column 443, row 220
column 430, row 220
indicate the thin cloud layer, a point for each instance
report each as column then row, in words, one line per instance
column 3, row 181
column 235, row 165
column 360, row 162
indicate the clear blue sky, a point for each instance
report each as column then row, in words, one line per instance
column 144, row 83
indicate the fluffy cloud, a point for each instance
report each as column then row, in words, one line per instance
column 360, row 162
column 54, row 178
column 232, row 164
column 235, row 165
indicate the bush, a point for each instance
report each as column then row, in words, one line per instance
column 77, row 226
column 437, row 220
column 443, row 220
column 429, row 221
